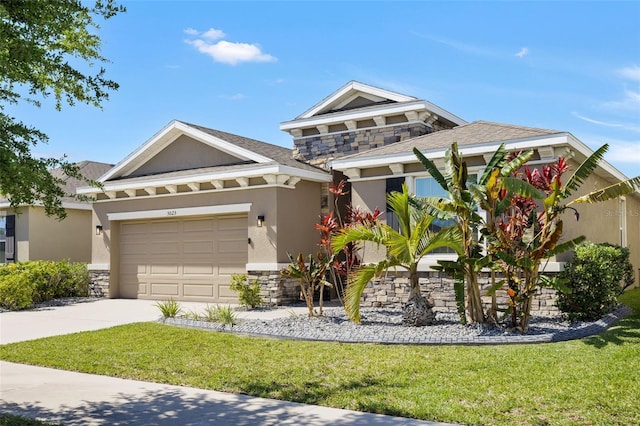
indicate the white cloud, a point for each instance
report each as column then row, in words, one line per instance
column 213, row 34
column 624, row 152
column 224, row 51
column 523, row 52
column 236, row 97
column 630, row 73
column 631, row 127
column 458, row 45
column 630, row 102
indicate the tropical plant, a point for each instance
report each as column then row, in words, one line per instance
column 532, row 227
column 248, row 294
column 342, row 262
column 464, row 199
column 312, row 277
column 404, row 249
column 169, row 308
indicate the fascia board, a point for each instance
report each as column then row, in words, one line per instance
column 388, row 109
column 409, row 157
column 136, row 154
column 353, row 86
column 586, row 151
column 183, row 180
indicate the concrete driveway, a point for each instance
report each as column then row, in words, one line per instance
column 84, row 399
column 97, row 314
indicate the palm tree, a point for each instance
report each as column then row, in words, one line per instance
column 404, row 249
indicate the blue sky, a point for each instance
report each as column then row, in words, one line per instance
column 245, row 67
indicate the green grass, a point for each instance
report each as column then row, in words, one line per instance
column 11, row 420
column 593, row 381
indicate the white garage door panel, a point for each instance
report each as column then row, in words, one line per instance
column 186, row 259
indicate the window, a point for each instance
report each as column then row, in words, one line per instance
column 428, row 187
column 3, row 238
column 393, row 185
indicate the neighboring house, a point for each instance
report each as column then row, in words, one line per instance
column 29, row 234
column 193, row 205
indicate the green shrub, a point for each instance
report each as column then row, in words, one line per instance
column 15, row 291
column 596, row 276
column 43, row 281
column 169, row 308
column 248, row 294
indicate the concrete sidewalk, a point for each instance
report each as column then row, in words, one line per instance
column 84, row 399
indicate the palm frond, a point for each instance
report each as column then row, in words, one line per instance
column 516, row 163
column 584, row 171
column 613, row 191
column 448, row 237
column 432, row 169
column 357, row 284
column 496, row 162
column 399, row 203
column 567, row 245
column 376, row 233
column 520, row 187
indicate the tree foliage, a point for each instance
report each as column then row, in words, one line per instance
column 47, row 49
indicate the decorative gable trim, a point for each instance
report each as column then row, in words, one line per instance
column 348, row 93
column 165, row 137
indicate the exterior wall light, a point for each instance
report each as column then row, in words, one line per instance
column 98, row 229
column 260, row 220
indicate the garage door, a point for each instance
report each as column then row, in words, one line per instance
column 186, row 259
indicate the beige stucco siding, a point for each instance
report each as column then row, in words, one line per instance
column 299, row 210
column 183, row 154
column 369, row 196
column 51, row 239
column 39, row 237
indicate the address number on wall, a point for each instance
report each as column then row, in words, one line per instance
column 172, row 213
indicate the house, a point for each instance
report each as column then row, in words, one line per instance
column 29, row 234
column 193, row 205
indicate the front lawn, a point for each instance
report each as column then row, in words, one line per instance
column 592, row 381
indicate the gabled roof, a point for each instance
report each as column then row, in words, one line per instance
column 347, row 94
column 243, row 158
column 357, row 101
column 476, row 138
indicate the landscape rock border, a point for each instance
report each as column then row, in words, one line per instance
column 395, row 334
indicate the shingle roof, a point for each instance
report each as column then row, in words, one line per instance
column 477, row 132
column 91, row 170
column 278, row 154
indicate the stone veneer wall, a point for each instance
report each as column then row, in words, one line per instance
column 98, row 283
column 318, row 149
column 392, row 291
column 276, row 290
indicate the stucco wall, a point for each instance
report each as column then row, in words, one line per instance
column 39, row 237
column 299, row 210
column 182, row 154
column 51, row 239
